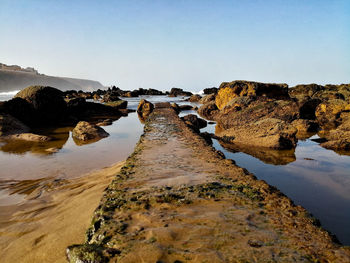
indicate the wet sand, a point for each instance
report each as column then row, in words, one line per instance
column 44, row 226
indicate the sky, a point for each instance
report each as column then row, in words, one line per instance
column 179, row 43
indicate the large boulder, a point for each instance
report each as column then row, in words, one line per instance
column 48, row 102
column 10, row 125
column 85, row 131
column 144, row 109
column 268, row 132
column 229, row 90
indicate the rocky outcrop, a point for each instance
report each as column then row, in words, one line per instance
column 207, row 99
column 230, row 90
column 85, row 132
column 144, row 109
column 209, row 110
column 194, row 122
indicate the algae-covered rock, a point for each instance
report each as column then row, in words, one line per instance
column 119, row 104
column 47, row 101
column 86, row 253
column 239, row 88
column 208, row 110
column 85, row 131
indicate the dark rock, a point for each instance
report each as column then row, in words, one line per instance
column 194, row 122
column 48, row 102
column 212, row 90
column 174, row 92
column 209, row 110
column 22, row 110
column 10, row 125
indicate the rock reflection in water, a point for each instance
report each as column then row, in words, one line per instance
column 59, row 138
column 268, row 156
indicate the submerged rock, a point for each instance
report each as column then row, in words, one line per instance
column 85, row 131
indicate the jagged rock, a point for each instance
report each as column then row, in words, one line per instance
column 48, row 102
column 194, row 122
column 10, row 125
column 229, row 90
column 85, row 131
column 110, row 97
column 144, row 108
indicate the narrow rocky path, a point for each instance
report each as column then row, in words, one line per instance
column 178, row 200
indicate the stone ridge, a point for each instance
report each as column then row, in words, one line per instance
column 178, row 200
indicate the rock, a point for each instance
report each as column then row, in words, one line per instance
column 305, row 91
column 194, row 98
column 338, row 139
column 22, row 110
column 31, row 137
column 212, row 90
column 105, row 122
column 327, row 113
column 185, row 107
column 87, row 110
column 194, row 122
column 175, row 107
column 144, row 108
column 131, row 94
column 304, row 126
column 174, row 92
column 269, row 132
column 85, row 131
column 111, row 97
column 120, row 104
column 48, row 102
column 209, row 110
column 207, row 99
column 96, row 97
column 307, row 108
column 239, row 88
column 10, row 125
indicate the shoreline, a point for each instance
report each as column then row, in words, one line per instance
column 55, row 220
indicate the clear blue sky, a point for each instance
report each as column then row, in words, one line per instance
column 174, row 43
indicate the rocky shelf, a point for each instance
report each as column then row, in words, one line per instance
column 177, row 199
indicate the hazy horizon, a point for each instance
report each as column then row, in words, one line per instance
column 187, row 44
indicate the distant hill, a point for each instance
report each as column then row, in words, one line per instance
column 16, row 78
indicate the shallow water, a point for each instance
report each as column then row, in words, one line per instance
column 316, row 178
column 313, row 177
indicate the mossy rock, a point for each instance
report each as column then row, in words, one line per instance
column 85, row 253
column 120, row 104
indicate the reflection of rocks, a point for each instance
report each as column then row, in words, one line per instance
column 85, row 132
column 52, row 142
column 269, row 156
column 144, row 109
